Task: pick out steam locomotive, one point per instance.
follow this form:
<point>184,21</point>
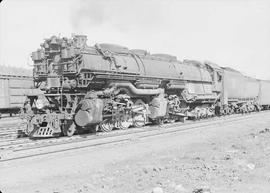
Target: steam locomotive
<point>108,86</point>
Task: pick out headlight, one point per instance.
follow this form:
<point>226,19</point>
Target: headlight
<point>39,104</point>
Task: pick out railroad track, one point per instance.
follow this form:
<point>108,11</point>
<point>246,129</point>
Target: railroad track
<point>28,148</point>
<point>12,143</point>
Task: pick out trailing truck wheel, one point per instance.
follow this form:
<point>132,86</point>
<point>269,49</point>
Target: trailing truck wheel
<point>106,126</point>
<point>69,129</point>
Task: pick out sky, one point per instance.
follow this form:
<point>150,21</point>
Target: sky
<point>233,33</point>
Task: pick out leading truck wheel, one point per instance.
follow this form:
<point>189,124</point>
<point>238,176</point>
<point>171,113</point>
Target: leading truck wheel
<point>69,129</point>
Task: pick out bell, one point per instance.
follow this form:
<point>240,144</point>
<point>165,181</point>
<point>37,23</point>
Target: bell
<point>46,45</point>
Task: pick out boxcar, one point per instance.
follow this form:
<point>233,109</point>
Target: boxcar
<point>14,84</point>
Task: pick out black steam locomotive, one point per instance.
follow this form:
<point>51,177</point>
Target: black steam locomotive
<point>110,86</point>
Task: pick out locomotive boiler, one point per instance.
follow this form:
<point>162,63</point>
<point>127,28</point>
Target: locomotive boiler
<point>107,86</point>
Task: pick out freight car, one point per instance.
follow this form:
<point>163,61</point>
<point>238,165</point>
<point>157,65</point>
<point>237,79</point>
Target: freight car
<point>109,86</point>
<point>14,85</point>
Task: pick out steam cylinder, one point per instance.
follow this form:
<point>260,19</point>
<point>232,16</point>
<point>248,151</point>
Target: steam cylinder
<point>90,112</point>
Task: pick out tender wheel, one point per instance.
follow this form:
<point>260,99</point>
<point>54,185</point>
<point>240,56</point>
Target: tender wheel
<point>69,129</point>
<point>106,126</point>
<point>124,124</point>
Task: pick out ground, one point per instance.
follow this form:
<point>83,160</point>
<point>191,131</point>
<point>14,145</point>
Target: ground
<point>223,158</point>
